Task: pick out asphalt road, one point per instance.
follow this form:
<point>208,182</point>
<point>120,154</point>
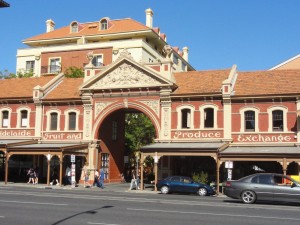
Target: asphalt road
<point>22,205</point>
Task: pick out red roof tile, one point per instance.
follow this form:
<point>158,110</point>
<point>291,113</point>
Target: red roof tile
<point>92,28</point>
<point>200,82</point>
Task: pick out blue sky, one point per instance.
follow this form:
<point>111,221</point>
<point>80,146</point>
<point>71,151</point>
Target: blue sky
<point>254,34</point>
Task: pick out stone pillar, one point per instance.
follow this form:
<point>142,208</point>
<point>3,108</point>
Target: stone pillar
<point>165,133</point>
<point>87,118</point>
<point>227,118</point>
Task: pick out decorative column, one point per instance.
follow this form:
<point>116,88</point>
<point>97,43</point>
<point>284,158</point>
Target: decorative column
<point>142,170</point>
<point>156,158</point>
<point>60,169</point>
<point>165,99</point>
<point>87,116</point>
<point>49,156</point>
<point>218,175</point>
<point>6,166</point>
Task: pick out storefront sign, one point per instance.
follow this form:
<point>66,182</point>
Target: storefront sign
<point>62,136</point>
<point>196,134</point>
<point>263,138</point>
<point>16,133</point>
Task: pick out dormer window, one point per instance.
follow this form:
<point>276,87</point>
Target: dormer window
<point>104,24</point>
<point>74,27</point>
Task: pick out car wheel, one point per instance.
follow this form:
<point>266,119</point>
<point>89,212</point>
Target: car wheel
<point>248,197</point>
<point>202,191</point>
<point>164,190</point>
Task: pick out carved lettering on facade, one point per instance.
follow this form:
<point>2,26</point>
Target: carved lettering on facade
<point>196,134</point>
<point>62,136</point>
<point>263,138</point>
<point>16,133</point>
<point>126,75</point>
<point>153,104</point>
<point>99,106</point>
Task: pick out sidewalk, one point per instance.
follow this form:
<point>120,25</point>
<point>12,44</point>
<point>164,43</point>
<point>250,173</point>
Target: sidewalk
<point>111,187</point>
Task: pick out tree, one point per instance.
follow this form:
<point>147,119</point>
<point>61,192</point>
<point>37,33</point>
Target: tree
<point>74,72</point>
<point>139,131</point>
<point>6,75</point>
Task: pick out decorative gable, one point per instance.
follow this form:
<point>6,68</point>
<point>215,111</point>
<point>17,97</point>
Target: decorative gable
<point>126,73</point>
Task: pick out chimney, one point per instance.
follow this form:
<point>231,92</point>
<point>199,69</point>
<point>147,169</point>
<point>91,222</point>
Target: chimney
<point>149,18</point>
<point>50,25</point>
<point>185,51</point>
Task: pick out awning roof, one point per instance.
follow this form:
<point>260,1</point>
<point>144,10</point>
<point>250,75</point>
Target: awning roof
<point>8,142</point>
<point>49,146</point>
<point>260,150</point>
<point>179,146</point>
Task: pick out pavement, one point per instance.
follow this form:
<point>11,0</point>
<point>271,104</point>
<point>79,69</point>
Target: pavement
<point>110,187</point>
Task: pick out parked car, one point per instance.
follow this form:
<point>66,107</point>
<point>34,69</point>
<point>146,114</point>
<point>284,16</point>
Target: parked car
<point>185,185</point>
<point>264,186</point>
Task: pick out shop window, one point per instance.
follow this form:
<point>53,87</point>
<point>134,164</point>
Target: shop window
<point>5,118</point>
<point>114,130</point>
<point>72,121</point>
<point>105,164</point>
<point>24,118</point>
<point>277,120</point>
<point>53,121</point>
<point>185,118</point>
<point>249,117</point>
<point>209,118</point>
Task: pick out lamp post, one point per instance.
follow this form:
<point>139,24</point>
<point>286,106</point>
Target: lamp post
<point>48,169</point>
<point>155,171</point>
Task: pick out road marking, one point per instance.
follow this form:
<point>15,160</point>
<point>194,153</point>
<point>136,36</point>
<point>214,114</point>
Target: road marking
<point>214,214</point>
<point>103,223</point>
<point>1,216</point>
<point>36,203</point>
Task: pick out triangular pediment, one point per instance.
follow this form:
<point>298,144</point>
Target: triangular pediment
<point>126,73</point>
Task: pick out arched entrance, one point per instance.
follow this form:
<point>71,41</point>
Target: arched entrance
<point>117,155</point>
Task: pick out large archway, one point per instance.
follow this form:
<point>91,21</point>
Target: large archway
<point>115,156</point>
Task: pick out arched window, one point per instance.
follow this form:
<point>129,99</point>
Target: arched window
<point>53,121</point>
<point>24,118</point>
<point>74,27</point>
<point>104,24</point>
<point>249,117</point>
<point>277,120</point>
<point>72,121</point>
<point>209,118</point>
<point>5,117</point>
<point>185,118</point>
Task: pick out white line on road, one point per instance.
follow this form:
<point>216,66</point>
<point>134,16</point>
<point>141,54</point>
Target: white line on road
<point>36,203</point>
<point>1,216</point>
<point>215,214</point>
<point>102,223</point>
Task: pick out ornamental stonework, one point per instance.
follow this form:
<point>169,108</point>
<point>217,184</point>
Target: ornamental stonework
<point>126,75</point>
<point>153,104</point>
<point>100,106</point>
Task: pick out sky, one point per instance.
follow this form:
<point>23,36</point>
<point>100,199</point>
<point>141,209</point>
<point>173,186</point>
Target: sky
<point>253,34</point>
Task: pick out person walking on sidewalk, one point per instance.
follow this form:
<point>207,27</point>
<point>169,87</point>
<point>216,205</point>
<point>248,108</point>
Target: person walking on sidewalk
<point>133,181</point>
<point>86,174</point>
<point>102,177</point>
<point>97,179</point>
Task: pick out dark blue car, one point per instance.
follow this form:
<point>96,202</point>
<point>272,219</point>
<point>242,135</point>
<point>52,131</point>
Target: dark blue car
<point>185,185</point>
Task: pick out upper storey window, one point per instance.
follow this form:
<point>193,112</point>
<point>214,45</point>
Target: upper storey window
<point>277,120</point>
<point>24,118</point>
<point>54,65</point>
<point>29,66</point>
<point>209,118</point>
<point>5,118</point>
<point>249,120</point>
<point>53,121</point>
<point>185,118</point>
<point>72,121</point>
<point>97,60</point>
<point>103,24</point>
<point>74,27</point>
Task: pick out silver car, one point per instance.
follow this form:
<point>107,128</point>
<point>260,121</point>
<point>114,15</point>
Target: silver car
<point>264,186</point>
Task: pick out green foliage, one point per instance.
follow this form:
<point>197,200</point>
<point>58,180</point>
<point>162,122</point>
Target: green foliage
<point>201,177</point>
<point>74,72</point>
<point>6,75</point>
<point>25,74</point>
<point>139,131</point>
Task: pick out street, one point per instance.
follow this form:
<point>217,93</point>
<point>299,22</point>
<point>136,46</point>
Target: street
<point>25,205</point>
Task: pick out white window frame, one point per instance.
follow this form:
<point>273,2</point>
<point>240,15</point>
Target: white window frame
<point>19,113</point>
<point>74,27</point>
<point>242,115</point>
<point>32,65</point>
<point>66,113</point>
<point>9,117</point>
<point>270,116</point>
<point>179,116</point>
<point>48,114</point>
<point>202,113</point>
<point>102,23</point>
<point>49,63</point>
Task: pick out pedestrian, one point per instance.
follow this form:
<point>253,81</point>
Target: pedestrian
<point>97,179</point>
<point>133,180</point>
<point>102,177</point>
<point>36,175</point>
<point>68,176</point>
<point>86,175</point>
<point>54,177</point>
<point>30,173</point>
